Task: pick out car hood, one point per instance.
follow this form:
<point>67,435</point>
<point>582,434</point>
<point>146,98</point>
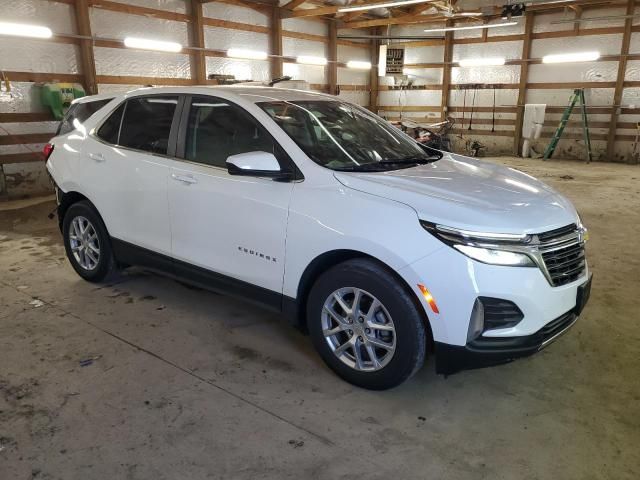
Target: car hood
<point>470,194</point>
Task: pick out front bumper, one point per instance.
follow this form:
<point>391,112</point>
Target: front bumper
<point>489,351</point>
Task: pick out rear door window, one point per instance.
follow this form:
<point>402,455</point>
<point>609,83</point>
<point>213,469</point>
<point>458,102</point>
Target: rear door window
<point>110,129</point>
<point>80,112</point>
<point>147,123</point>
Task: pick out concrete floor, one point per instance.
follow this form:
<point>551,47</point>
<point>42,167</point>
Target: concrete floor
<point>186,384</point>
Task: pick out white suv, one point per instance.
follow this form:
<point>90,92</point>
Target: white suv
<point>316,208</point>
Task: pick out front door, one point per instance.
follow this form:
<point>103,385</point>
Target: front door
<point>229,225</point>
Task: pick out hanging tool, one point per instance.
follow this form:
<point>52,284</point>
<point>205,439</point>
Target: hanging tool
<point>635,154</point>
<point>578,95</point>
<point>473,104</point>
<point>464,108</point>
<point>493,121</point>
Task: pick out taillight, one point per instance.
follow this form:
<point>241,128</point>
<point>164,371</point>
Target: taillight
<point>47,151</point>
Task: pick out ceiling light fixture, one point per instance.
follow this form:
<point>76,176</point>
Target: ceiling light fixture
<point>246,54</point>
<point>371,6</point>
<point>472,27</point>
<point>482,62</point>
<point>571,57</point>
<point>359,65</point>
<point>309,60</point>
<point>22,30</point>
<point>157,45</point>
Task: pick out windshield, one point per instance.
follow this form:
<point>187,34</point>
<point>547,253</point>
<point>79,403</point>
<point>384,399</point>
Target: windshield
<point>342,136</point>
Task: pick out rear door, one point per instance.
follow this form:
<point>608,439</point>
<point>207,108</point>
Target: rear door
<point>128,162</point>
<point>231,225</point>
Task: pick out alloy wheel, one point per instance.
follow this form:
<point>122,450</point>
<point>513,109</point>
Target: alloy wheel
<point>84,243</point>
<point>358,329</point>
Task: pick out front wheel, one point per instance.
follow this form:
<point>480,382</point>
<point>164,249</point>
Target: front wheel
<point>365,325</point>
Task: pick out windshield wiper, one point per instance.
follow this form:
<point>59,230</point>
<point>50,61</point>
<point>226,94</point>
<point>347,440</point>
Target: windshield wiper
<point>416,160</point>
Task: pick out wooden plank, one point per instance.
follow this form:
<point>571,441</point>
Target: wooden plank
<point>246,27</point>
<point>332,56</point>
<point>619,85</point>
<point>141,11</point>
<point>87,60</point>
<point>26,117</point>
<point>275,42</point>
<point>134,80</point>
<point>43,77</point>
<point>21,158</point>
<point>25,139</point>
<point>446,74</point>
<point>524,78</point>
<point>374,74</point>
<point>198,58</point>
<point>293,4</point>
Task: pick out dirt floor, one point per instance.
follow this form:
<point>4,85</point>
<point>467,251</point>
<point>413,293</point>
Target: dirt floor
<point>146,378</point>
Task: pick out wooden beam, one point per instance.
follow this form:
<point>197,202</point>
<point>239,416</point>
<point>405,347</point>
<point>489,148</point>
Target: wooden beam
<point>26,117</point>
<point>275,42</point>
<point>374,75</point>
<point>332,56</point>
<point>293,4</point>
<point>21,158</point>
<point>446,73</point>
<point>142,11</point>
<point>198,58</point>
<point>25,139</point>
<point>87,59</point>
<point>137,80</point>
<point>524,79</point>
<point>622,70</point>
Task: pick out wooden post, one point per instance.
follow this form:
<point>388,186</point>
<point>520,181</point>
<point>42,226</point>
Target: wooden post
<point>524,77</point>
<point>446,73</point>
<point>87,59</point>
<point>198,59</point>
<point>374,76</point>
<point>275,42</point>
<point>622,70</point>
<point>332,57</point>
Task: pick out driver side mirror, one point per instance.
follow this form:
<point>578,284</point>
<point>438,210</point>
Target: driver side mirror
<point>256,164</point>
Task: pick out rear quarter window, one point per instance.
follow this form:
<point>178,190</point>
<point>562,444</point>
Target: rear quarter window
<point>80,112</point>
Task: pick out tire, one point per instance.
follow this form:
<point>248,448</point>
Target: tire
<point>397,309</point>
<point>79,215</point>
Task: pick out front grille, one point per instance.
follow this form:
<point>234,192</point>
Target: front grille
<point>563,253</point>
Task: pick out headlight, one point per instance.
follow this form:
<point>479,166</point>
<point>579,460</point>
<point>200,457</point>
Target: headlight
<point>496,257</point>
<point>492,248</point>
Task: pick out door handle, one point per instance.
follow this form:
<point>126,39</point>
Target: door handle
<point>98,157</point>
<point>189,180</point>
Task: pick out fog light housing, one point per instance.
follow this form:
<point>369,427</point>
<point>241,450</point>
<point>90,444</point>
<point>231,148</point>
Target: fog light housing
<point>476,325</point>
<point>492,314</point>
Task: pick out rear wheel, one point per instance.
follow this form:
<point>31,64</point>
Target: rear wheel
<point>366,325</point>
<point>87,243</point>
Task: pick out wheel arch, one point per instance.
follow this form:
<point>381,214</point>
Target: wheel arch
<point>70,198</point>
<point>327,260</point>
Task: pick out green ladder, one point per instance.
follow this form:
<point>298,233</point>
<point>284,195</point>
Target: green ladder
<point>578,94</point>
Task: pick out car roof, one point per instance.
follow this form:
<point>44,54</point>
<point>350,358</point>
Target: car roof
<point>249,93</point>
<point>95,98</point>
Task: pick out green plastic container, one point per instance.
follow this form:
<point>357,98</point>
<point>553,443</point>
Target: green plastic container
<point>58,97</point>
